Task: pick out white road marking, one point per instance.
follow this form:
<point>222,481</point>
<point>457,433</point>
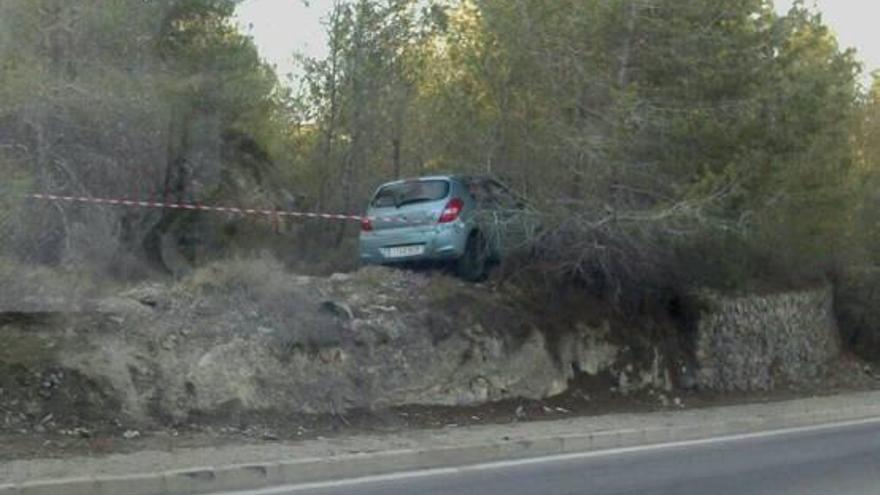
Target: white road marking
<point>426,473</point>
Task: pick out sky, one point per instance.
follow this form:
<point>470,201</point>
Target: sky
<point>284,27</point>
<point>854,22</point>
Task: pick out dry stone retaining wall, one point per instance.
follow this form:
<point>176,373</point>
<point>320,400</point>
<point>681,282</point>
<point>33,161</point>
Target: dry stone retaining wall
<point>857,304</point>
<point>758,343</point>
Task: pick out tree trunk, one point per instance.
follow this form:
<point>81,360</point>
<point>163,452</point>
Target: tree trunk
<point>395,157</point>
<point>623,76</point>
<point>626,50</point>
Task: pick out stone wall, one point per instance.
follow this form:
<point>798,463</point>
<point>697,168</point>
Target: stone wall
<point>857,302</point>
<point>758,343</point>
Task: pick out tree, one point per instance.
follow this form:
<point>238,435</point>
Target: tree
<point>668,141</point>
<point>653,129</point>
<point>131,99</point>
<point>362,93</point>
<point>867,151</point>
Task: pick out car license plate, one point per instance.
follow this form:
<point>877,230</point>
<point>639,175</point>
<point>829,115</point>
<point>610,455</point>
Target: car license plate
<point>403,251</point>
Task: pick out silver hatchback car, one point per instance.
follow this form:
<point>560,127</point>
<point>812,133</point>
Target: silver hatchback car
<point>465,220</point>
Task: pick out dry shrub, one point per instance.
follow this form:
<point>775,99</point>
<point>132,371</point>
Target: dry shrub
<point>261,288</point>
<point>34,288</point>
<point>259,277</point>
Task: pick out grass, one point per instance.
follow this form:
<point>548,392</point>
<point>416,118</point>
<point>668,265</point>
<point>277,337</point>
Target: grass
<point>20,282</point>
<point>23,349</point>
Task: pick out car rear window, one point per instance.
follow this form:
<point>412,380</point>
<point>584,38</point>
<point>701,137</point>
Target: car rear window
<point>404,193</point>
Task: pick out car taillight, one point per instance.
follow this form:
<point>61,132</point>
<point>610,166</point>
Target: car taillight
<point>452,210</point>
<point>366,224</point>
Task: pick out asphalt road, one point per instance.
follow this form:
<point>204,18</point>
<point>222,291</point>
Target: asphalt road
<point>838,461</point>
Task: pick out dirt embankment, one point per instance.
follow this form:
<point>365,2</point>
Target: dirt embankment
<point>247,337</point>
<point>246,348</point>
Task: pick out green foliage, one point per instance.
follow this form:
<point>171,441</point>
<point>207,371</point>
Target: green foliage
<point>161,99</point>
<point>867,220</point>
<point>652,133</point>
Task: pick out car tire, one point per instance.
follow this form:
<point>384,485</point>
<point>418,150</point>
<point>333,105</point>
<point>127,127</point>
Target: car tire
<point>473,264</point>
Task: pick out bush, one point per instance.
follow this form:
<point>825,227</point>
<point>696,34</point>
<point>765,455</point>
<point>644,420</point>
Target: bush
<point>30,288</point>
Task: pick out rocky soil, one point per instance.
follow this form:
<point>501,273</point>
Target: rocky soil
<point>244,350</point>
<point>247,337</point>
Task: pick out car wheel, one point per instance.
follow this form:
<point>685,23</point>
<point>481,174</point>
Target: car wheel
<point>472,266</point>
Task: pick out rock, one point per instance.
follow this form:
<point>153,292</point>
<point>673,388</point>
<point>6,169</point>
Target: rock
<point>580,394</point>
<point>151,295</point>
<point>169,342</point>
<point>384,309</point>
<point>664,401</point>
<point>623,383</point>
<point>119,307</point>
<point>337,309</point>
<point>77,432</point>
<point>588,348</point>
<point>131,434</point>
<point>687,378</point>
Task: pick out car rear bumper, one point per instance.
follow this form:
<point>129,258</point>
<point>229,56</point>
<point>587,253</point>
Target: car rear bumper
<point>440,241</point>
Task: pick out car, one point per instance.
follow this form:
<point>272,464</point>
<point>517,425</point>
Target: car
<point>467,222</point>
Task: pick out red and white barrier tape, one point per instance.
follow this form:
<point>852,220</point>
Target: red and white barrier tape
<point>194,207</point>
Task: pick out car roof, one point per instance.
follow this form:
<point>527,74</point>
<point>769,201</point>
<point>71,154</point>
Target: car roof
<point>418,179</point>
<point>451,177</point>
